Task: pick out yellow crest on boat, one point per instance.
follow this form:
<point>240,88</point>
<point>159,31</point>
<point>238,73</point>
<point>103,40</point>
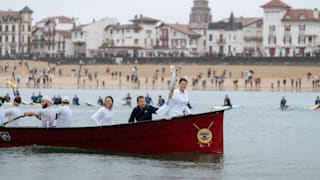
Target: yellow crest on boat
<point>204,135</point>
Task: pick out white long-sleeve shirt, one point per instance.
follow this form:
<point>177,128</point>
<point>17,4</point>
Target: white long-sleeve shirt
<point>64,116</point>
<point>12,113</point>
<point>178,106</point>
<point>48,116</point>
<point>102,117</point>
<point>2,115</point>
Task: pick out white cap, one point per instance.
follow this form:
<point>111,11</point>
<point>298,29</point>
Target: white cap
<point>47,98</point>
<point>65,99</point>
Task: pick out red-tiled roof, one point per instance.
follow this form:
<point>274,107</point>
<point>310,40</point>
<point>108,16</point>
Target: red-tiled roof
<point>198,26</point>
<point>185,29</point>
<point>123,26</point>
<point>62,19</point>
<point>275,3</point>
<point>300,15</point>
<point>248,21</point>
<point>10,13</point>
<point>78,28</point>
<point>144,19</point>
<point>66,34</point>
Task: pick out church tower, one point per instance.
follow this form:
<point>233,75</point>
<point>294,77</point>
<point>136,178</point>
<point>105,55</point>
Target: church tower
<point>200,12</point>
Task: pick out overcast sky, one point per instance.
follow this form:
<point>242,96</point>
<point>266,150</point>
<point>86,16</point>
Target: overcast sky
<point>170,11</point>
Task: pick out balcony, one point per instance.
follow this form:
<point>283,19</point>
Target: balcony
<point>252,39</point>
<point>221,41</point>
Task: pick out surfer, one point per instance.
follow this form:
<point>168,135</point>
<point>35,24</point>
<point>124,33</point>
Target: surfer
<point>227,101</point>
<point>283,103</point>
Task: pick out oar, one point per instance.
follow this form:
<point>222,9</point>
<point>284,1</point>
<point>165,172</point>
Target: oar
<point>10,121</point>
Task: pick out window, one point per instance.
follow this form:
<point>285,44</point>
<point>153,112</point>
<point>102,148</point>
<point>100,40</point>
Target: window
<point>6,38</point>
<point>7,28</point>
<point>287,40</point>
<point>183,43</point>
<point>210,37</point>
<point>302,40</point>
<point>272,40</point>
<point>302,17</point>
<point>29,28</point>
<point>13,28</point>
<point>0,28</point>
<point>174,33</point>
<point>0,39</point>
<point>272,28</point>
<point>13,39</point>
<point>302,27</point>
<point>287,28</point>
<point>23,28</point>
<point>136,41</point>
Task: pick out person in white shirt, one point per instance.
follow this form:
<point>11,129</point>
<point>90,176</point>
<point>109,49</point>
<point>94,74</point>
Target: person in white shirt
<point>103,116</point>
<point>47,114</point>
<point>2,111</point>
<point>178,101</point>
<point>14,112</point>
<point>64,113</point>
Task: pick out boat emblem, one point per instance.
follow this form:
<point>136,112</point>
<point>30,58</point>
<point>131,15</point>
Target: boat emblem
<point>204,135</point>
<point>5,136</point>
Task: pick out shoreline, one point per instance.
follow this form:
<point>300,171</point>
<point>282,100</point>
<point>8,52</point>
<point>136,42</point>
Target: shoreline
<point>282,78</point>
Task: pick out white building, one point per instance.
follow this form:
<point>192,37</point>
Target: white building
<point>252,35</point>
<point>135,40</point>
<point>179,40</point>
<point>88,38</point>
<point>15,32</point>
<point>225,38</point>
<point>52,36</point>
<point>290,32</point>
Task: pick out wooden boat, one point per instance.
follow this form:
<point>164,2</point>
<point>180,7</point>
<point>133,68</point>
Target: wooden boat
<point>197,133</point>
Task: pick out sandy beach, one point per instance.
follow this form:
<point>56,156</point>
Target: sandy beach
<point>157,76</point>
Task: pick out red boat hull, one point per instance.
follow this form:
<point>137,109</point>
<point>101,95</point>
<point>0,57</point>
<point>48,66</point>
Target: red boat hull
<point>193,133</point>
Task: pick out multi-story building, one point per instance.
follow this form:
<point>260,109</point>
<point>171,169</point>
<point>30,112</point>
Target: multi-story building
<point>136,39</point>
<point>225,38</point>
<point>252,35</point>
<point>200,12</point>
<point>88,38</point>
<point>52,36</point>
<point>290,32</point>
<point>15,32</point>
<point>178,40</point>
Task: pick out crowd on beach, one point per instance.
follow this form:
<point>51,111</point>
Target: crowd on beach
<point>53,76</point>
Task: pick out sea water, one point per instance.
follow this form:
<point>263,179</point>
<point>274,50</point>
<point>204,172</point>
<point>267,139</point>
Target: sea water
<point>260,141</point>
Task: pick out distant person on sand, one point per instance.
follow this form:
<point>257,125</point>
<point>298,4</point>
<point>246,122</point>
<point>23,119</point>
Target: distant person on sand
<point>283,103</point>
<point>227,101</point>
<point>143,111</point>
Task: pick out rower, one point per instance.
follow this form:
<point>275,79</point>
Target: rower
<point>47,114</point>
<point>14,112</point>
<point>64,113</point>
